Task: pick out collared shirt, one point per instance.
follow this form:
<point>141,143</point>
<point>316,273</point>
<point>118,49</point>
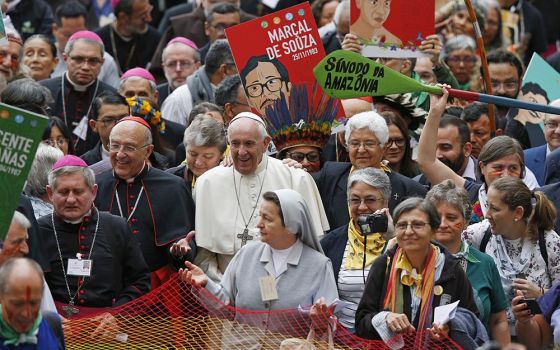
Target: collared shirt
<point>470,172</point>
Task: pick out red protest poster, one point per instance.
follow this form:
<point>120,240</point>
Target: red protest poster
<point>392,28</point>
<point>276,52</point>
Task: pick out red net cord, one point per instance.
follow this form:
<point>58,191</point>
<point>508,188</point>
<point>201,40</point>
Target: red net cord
<point>177,316</point>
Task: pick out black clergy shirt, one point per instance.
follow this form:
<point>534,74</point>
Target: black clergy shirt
<point>118,272</point>
<point>164,214</point>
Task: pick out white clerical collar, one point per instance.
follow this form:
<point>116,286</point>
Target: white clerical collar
<point>104,153</point>
<point>78,87</point>
<point>131,179</point>
<point>79,220</point>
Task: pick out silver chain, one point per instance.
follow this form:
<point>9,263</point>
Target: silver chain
<point>71,298</point>
<point>246,223</point>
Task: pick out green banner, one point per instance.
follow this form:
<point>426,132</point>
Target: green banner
<point>346,74</point>
<point>20,134</point>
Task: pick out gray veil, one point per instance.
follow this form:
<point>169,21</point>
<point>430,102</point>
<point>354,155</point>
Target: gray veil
<point>297,218</point>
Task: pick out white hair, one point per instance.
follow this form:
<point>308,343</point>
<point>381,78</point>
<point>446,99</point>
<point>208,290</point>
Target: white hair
<point>21,220</point>
<point>371,121</point>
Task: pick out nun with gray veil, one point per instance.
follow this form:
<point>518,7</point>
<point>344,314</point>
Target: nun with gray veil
<point>285,269</point>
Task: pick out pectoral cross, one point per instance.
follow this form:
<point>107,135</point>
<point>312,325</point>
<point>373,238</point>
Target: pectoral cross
<point>245,236</point>
<point>396,195</point>
<point>70,310</point>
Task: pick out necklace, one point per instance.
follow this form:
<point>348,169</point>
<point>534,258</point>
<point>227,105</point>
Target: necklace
<point>64,102</point>
<point>70,309</point>
<point>245,236</point>
<point>114,47</point>
<point>135,204</point>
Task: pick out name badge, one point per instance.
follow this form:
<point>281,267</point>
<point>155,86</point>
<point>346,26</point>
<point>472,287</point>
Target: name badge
<point>268,288</point>
<point>81,129</point>
<point>79,267</point>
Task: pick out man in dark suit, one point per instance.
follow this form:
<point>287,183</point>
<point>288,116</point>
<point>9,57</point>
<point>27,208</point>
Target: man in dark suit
<point>366,134</point>
<point>535,157</point>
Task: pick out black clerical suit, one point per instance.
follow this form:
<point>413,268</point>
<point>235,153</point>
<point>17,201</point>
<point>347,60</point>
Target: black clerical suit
<point>164,214</point>
<point>78,105</point>
<point>118,271</point>
<point>332,180</point>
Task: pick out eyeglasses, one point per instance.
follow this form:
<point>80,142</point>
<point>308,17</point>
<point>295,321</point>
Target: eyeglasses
<point>552,125</point>
<point>109,121</point>
<point>455,60</point>
<point>115,147</point>
<point>257,89</point>
<point>369,201</point>
<point>366,144</point>
<point>416,226</point>
<point>312,156</point>
<point>179,64</point>
<point>90,61</point>
<point>510,85</point>
<point>400,143</point>
<point>61,141</point>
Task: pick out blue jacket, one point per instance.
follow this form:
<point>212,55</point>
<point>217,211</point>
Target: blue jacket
<point>50,335</point>
<point>535,159</point>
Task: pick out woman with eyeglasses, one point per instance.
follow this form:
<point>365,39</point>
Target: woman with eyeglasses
<point>459,52</point>
<point>56,134</point>
<point>366,135</point>
<point>454,209</point>
<point>398,153</point>
<point>499,157</point>
<point>407,282</point>
<point>518,233</point>
<point>353,247</point>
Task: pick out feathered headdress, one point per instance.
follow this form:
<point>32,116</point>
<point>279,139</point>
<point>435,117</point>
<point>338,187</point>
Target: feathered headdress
<point>303,122</point>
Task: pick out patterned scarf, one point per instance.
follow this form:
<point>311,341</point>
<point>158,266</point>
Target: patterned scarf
<point>11,337</point>
<point>355,257</point>
<point>401,267</point>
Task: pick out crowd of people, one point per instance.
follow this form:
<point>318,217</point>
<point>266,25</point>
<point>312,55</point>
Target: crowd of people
<point>153,164</point>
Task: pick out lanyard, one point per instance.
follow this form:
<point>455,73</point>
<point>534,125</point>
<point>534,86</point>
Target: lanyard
<point>135,204</point>
<point>64,102</point>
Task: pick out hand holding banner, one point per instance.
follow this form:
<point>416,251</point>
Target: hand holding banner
<point>346,74</point>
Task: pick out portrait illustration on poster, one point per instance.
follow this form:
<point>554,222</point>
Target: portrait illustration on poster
<point>391,28</point>
<point>281,53</point>
<point>541,84</point>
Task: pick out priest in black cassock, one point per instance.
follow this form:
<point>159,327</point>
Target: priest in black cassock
<point>157,205</point>
<point>75,90</point>
<point>93,260</point>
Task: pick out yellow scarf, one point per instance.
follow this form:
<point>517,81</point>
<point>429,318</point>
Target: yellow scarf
<point>355,256</point>
<point>409,275</point>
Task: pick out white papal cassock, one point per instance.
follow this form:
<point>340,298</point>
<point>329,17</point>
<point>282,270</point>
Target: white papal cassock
<point>219,220</point>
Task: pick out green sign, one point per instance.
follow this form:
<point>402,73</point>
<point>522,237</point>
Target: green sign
<point>20,134</point>
<point>346,74</point>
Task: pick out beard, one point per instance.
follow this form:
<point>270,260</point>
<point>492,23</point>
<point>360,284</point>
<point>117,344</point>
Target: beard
<point>456,164</point>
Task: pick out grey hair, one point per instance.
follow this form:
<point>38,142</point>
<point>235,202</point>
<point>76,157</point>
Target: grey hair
<point>28,94</point>
<point>260,126</point>
<point>372,177</point>
<point>70,45</point>
<point>153,86</point>
<point>368,120</point>
<point>15,263</point>
<point>196,54</point>
<point>86,172</point>
<point>459,42</point>
<point>205,131</point>
<point>21,220</point>
<point>37,179</point>
<point>448,193</point>
<point>340,8</point>
<point>421,204</point>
